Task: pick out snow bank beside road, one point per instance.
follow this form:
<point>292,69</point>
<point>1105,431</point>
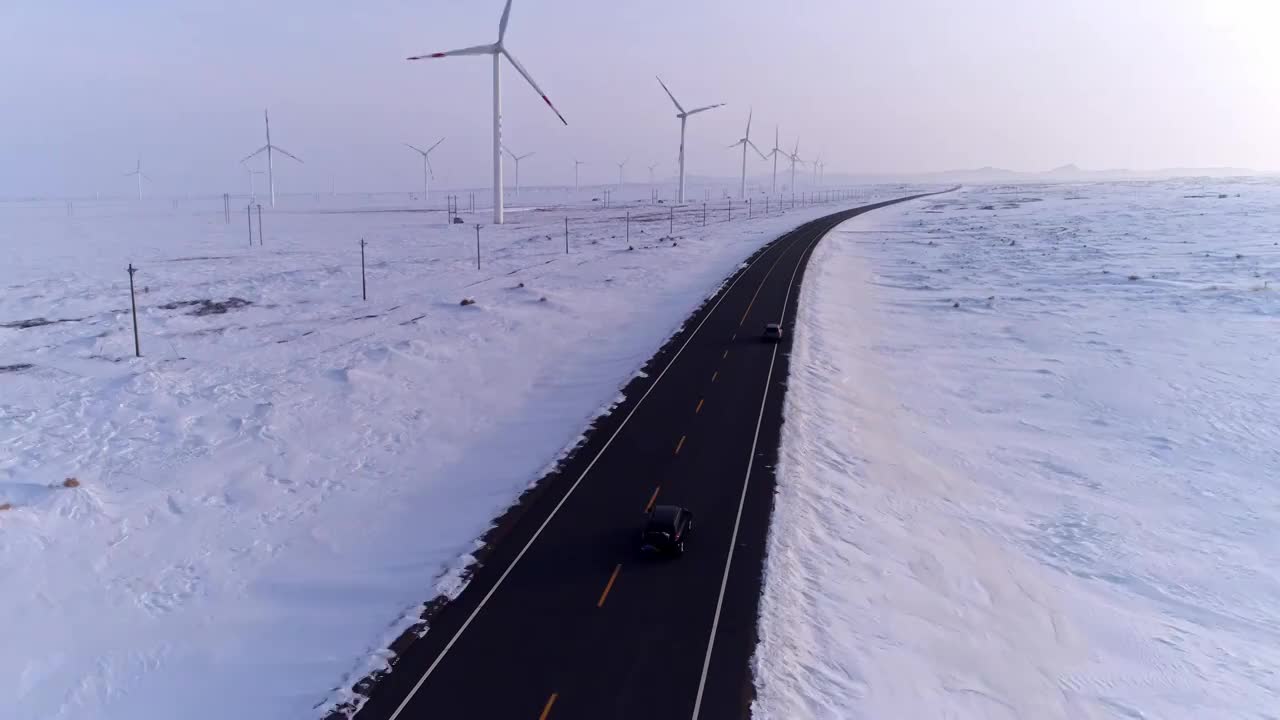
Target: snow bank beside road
<point>1015,482</point>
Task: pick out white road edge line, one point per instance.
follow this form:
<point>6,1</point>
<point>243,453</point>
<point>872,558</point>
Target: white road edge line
<point>742,499</point>
<point>573,487</point>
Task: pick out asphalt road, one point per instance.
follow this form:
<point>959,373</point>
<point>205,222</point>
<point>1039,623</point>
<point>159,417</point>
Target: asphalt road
<point>565,619</point>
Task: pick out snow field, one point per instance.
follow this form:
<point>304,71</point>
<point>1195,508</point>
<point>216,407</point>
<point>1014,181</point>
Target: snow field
<point>1029,464</point>
<point>270,494</point>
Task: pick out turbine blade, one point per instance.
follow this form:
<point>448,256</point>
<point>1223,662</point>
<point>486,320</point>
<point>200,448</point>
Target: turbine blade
<point>255,152</point>
<point>475,50</point>
<point>753,147</point>
<point>527,155</point>
<point>520,69</point>
<point>703,109</point>
<point>284,152</point>
<point>735,144</point>
<point>673,97</point>
<point>416,148</point>
<point>502,24</point>
<point>507,150</point>
<point>430,170</point>
<point>433,147</point>
<point>750,112</point>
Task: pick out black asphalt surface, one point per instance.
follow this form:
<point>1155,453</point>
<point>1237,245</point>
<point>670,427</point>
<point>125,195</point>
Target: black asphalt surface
<point>583,626</point>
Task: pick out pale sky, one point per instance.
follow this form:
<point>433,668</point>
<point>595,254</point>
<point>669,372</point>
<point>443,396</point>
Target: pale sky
<point>874,85</point>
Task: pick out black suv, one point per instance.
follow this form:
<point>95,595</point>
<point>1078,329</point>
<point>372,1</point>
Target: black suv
<point>666,529</point>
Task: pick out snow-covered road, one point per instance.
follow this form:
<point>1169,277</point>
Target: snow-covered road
<point>1029,465</point>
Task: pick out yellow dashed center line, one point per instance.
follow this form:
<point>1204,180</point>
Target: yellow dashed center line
<point>603,595</point>
<point>699,408</point>
<point>725,355</point>
<point>652,499</point>
<point>680,444</point>
<point>546,709</point>
<point>715,375</point>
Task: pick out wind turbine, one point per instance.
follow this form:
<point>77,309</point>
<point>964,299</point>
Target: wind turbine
<point>517,159</point>
<point>744,142</point>
<point>651,167</point>
<point>576,163</point>
<point>426,164</point>
<point>817,167</point>
<point>774,154</point>
<point>794,157</point>
<point>684,117</point>
<point>271,178</point>
<point>137,172</point>
<point>621,180</point>
<point>498,50</point>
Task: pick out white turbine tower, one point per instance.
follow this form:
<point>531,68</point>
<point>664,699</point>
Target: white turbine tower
<point>684,117</point>
<point>517,159</point>
<point>268,148</point>
<point>621,179</point>
<point>498,50</point>
<point>253,191</point>
<point>137,172</point>
<point>744,142</point>
<point>576,163</point>
<point>774,154</point>
<point>426,164</point>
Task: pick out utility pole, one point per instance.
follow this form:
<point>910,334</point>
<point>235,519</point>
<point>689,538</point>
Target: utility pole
<point>133,303</point>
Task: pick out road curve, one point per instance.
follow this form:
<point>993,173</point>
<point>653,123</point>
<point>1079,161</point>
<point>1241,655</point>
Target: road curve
<point>564,619</point>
